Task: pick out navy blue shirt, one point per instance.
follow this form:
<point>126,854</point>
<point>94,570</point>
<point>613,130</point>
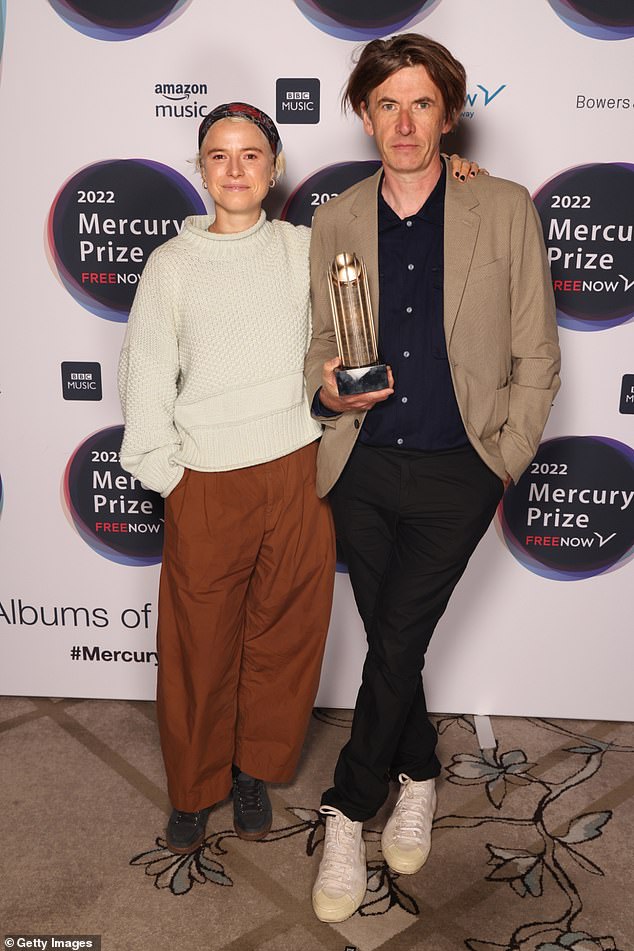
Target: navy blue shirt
<point>422,414</point>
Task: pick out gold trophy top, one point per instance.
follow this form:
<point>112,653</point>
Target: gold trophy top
<point>346,268</point>
<point>352,310</point>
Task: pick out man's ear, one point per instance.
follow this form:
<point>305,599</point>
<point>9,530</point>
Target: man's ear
<point>367,121</point>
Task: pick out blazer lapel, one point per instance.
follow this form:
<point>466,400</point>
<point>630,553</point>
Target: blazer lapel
<point>364,230</point>
<point>462,223</point>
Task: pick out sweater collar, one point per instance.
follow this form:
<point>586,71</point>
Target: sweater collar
<point>195,230</point>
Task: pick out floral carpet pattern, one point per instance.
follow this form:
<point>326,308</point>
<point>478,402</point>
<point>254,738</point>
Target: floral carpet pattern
<point>531,848</point>
<point>539,845</point>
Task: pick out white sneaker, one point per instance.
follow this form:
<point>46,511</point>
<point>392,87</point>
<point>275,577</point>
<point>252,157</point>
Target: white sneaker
<point>406,839</point>
<point>342,878</point>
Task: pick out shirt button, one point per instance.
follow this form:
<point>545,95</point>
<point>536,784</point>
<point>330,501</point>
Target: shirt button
<point>403,399</point>
<point>399,442</point>
<point>408,310</point>
<point>410,267</point>
<point>406,353</point>
<point>409,224</point>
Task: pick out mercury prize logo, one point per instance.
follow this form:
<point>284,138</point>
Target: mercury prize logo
<point>587,216</point>
<point>117,19</point>
<point>600,19</point>
<point>360,20</point>
<point>321,186</point>
<point>112,512</point>
<point>571,515</point>
<point>106,220</point>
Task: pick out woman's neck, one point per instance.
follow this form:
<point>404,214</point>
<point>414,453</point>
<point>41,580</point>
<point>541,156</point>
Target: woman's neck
<point>225,223</point>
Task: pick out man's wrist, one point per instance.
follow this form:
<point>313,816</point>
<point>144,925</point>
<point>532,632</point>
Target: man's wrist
<point>318,408</point>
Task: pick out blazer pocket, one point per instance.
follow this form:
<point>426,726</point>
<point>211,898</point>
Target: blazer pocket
<point>500,412</point>
<point>483,272</point>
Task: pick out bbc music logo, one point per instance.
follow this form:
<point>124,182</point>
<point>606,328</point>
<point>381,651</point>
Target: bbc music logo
<point>297,101</point>
<point>103,20</point>
<point>81,381</point>
<point>627,394</point>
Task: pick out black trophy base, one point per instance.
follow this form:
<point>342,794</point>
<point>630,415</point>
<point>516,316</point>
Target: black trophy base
<point>361,379</point>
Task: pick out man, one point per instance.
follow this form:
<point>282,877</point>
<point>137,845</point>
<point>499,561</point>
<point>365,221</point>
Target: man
<point>459,280</point>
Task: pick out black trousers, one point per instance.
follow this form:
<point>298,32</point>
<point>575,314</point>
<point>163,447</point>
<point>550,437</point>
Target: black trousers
<point>407,522</point>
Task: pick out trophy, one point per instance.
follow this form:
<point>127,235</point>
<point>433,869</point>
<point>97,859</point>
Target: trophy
<point>360,371</point>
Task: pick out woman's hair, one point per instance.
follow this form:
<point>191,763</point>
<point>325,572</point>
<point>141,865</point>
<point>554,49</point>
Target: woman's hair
<point>380,58</point>
<point>279,164</point>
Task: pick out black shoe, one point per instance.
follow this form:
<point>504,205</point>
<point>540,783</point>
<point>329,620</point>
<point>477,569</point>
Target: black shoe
<point>252,815</point>
<point>186,830</point>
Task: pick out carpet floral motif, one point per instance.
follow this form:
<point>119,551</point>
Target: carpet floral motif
<point>555,867</point>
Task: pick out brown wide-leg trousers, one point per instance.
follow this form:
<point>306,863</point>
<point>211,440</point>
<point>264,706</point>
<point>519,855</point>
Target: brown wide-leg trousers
<point>244,606</point>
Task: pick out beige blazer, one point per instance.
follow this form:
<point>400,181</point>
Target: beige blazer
<point>499,316</point>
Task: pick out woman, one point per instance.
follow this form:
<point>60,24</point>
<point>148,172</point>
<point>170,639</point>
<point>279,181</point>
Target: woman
<point>217,421</point>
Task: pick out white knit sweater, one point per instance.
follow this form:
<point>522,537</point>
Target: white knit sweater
<point>211,371</point>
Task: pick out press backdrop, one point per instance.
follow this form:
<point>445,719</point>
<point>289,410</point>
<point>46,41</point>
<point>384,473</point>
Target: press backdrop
<point>100,101</point>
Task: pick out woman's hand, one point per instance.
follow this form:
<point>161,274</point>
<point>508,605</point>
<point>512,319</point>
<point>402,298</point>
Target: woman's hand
<point>462,168</point>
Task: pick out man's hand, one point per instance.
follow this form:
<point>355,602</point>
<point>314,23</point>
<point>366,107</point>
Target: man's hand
<point>329,395</point>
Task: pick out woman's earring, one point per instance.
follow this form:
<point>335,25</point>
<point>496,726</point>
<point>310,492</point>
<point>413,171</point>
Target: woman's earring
<point>204,183</point>
<point>272,183</point>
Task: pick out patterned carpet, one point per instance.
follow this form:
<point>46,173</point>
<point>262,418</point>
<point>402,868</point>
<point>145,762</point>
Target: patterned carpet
<point>532,848</point>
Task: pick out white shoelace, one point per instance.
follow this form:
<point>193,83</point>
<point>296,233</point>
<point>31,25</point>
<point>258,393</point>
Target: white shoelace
<point>414,809</point>
<point>339,849</point>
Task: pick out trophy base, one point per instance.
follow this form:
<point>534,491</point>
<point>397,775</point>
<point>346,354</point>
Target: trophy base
<point>361,379</point>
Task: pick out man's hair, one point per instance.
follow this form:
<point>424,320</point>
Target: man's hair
<point>380,58</point>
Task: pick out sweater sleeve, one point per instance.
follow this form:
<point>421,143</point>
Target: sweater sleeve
<point>148,375</point>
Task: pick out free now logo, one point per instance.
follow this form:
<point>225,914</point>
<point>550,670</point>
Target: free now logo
<point>555,541</point>
<point>480,96</point>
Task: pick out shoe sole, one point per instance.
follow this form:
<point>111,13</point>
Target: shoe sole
<point>406,868</point>
<point>252,836</point>
<point>336,917</point>
<point>185,850</point>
